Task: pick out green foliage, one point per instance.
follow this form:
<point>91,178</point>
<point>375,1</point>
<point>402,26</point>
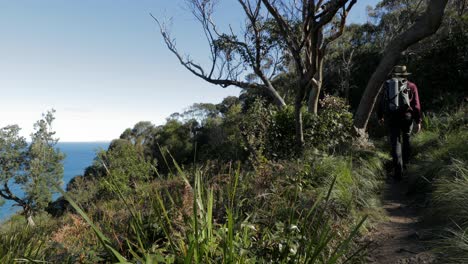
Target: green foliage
<point>441,171</point>
<point>35,167</point>
<point>175,137</point>
<point>440,66</point>
<point>126,165</point>
<point>255,126</point>
<point>446,122</point>
<point>202,132</point>
<point>270,133</point>
<point>44,167</point>
<point>437,147</point>
<point>332,127</point>
<point>219,137</point>
<point>26,244</point>
<point>451,193</point>
<point>454,245</point>
<point>280,137</point>
<point>139,135</point>
<point>229,131</point>
<point>12,153</point>
<point>204,236</point>
<point>102,238</point>
<point>450,196</point>
<point>304,209</point>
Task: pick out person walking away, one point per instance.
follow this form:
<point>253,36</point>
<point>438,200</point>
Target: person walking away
<point>399,108</point>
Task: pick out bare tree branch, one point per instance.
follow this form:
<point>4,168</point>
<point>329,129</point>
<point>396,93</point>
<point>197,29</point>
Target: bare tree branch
<point>6,193</point>
<point>329,11</point>
<point>229,69</point>
<point>339,32</point>
<point>283,25</point>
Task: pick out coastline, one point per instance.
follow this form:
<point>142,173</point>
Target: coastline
<point>78,156</point>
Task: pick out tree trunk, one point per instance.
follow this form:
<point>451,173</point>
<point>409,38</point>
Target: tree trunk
<point>298,114</point>
<point>426,25</point>
<point>314,95</point>
<point>30,220</point>
<point>279,101</point>
<point>312,104</point>
<point>277,98</point>
<point>299,127</point>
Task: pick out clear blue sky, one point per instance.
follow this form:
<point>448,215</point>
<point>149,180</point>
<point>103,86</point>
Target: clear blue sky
<point>102,63</point>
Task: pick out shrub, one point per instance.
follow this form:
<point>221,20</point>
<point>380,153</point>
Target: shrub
<point>126,167</point>
<point>280,135</point>
<point>331,129</point>
<point>275,129</point>
<point>255,126</point>
<point>305,236</point>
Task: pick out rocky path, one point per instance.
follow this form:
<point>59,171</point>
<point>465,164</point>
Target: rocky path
<point>399,238</point>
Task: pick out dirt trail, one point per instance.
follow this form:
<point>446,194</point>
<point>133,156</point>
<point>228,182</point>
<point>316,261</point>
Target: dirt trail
<point>399,238</point>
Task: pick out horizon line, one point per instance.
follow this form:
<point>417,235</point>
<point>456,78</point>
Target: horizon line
<point>90,141</point>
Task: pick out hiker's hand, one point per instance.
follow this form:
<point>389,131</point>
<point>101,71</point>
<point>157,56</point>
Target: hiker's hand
<point>381,121</point>
<point>418,128</point>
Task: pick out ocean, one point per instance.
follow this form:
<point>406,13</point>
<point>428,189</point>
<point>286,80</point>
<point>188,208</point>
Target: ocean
<point>78,157</point>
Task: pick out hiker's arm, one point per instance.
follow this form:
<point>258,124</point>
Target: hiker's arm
<point>380,106</point>
<point>415,105</point>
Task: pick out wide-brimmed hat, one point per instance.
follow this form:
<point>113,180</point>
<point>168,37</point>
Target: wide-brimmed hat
<point>400,70</point>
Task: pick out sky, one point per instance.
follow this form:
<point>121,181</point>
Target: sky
<point>102,64</point>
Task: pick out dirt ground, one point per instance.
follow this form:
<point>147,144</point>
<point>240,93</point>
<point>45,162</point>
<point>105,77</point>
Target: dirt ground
<point>399,239</point>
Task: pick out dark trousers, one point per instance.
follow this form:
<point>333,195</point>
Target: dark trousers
<point>400,130</point>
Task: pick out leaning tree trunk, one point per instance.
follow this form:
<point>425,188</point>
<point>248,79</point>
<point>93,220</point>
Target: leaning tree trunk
<point>426,25</point>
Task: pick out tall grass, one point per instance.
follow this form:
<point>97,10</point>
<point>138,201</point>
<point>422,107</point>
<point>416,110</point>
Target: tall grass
<point>441,172</point>
<point>22,243</point>
<point>450,194</point>
<point>307,236</point>
<point>309,210</point>
<point>13,248</point>
<point>453,245</point>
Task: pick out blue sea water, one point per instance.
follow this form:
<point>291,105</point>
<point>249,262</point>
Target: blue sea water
<point>78,157</point>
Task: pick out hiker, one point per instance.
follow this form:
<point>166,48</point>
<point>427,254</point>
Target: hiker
<point>399,108</point>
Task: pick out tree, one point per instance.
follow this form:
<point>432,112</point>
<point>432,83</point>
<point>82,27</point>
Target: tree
<point>340,63</point>
<point>36,167</point>
<point>426,25</point>
<point>125,165</point>
<point>392,17</point>
<point>289,36</point>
